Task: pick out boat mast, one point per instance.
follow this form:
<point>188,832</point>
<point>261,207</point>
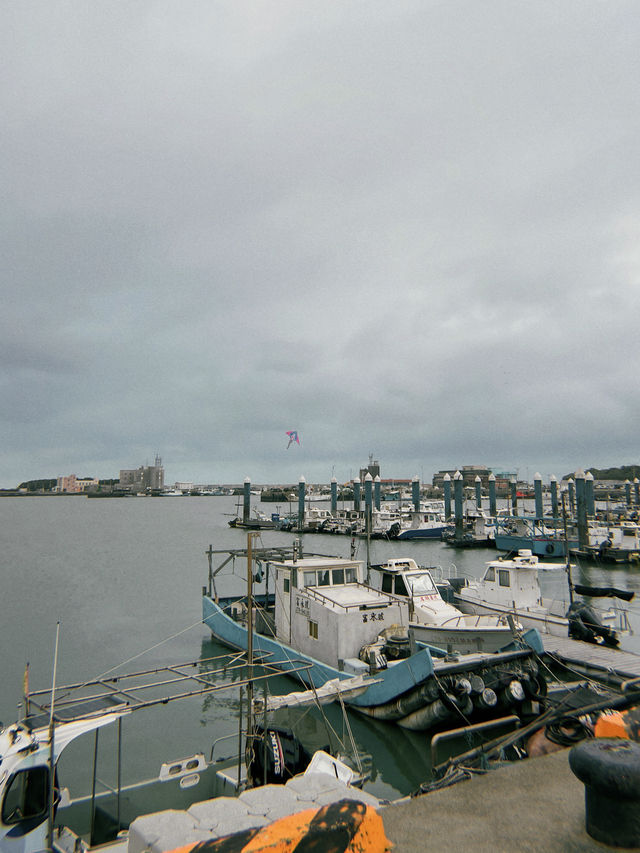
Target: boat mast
<point>52,763</point>
<point>250,537</point>
<point>566,547</point>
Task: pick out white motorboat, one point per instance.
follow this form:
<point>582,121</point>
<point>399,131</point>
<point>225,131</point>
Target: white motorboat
<point>436,622</point>
<point>511,586</point>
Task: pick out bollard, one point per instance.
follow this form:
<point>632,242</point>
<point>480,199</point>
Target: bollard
<point>610,771</point>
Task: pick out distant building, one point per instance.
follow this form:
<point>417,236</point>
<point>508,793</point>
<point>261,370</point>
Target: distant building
<point>68,484</point>
<point>372,468</point>
<point>147,478</point>
<point>469,474</point>
<point>75,485</point>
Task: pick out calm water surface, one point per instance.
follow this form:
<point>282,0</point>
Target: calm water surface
<point>124,579</point>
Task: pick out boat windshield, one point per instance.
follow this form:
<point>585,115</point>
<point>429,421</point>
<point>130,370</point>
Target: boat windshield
<point>421,584</point>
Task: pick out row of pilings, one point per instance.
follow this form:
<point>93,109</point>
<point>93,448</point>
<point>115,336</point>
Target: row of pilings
<point>580,494</point>
<point>372,496</point>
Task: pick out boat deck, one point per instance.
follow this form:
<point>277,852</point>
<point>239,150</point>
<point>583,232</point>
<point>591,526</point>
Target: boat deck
<point>592,659</point>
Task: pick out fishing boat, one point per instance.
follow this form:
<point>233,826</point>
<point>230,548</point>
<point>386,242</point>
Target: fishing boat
<point>515,533</point>
<point>38,811</point>
<point>422,524</point>
<point>433,620</point>
<point>357,642</point>
<point>511,586</point>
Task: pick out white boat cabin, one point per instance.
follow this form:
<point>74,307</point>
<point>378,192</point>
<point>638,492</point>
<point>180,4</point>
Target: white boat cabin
<point>404,578</point>
<point>511,583</point>
<point>324,609</point>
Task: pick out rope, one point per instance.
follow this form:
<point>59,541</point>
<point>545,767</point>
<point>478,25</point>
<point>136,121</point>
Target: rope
<point>150,649</point>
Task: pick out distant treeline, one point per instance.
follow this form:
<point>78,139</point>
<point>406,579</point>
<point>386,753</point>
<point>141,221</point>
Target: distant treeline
<point>624,472</point>
<point>49,485</point>
<point>38,485</point>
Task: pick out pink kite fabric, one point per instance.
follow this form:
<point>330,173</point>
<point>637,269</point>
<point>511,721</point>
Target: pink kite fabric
<point>293,436</point>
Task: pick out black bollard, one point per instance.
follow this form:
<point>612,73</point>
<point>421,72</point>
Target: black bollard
<point>610,771</point>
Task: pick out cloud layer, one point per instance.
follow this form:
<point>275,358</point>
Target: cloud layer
<point>410,229</point>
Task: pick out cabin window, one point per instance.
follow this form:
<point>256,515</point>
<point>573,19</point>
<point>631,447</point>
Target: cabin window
<point>294,578</point>
<point>26,795</point>
<point>309,578</point>
<point>503,577</point>
<point>386,583</point>
<point>324,578</point>
<point>313,629</point>
<point>351,576</point>
<point>490,574</point>
<point>401,588</point>
<point>286,584</point>
<point>421,584</point>
<point>338,576</point>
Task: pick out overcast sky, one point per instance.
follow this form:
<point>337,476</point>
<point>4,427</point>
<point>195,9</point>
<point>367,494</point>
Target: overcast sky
<point>403,228</point>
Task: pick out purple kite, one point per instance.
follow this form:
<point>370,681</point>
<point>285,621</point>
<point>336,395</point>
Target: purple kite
<point>293,436</point>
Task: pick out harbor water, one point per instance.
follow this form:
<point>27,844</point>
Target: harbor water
<point>124,577</point>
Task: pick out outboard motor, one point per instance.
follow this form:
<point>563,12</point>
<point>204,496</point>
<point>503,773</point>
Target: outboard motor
<point>277,755</point>
<point>394,530</point>
<point>585,625</point>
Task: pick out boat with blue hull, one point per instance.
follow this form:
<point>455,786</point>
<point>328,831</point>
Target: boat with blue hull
<point>337,631</point>
<point>515,533</point>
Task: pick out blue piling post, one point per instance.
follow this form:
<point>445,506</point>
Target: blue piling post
<point>627,493</point>
<point>368,500</point>
<point>554,496</point>
<point>246,504</point>
<point>537,493</point>
<point>334,496</point>
<point>571,487</point>
<point>581,501</point>
<point>590,495</point>
<point>376,491</point>
<point>415,493</point>
<point>301,498</point>
<point>457,499</point>
<point>356,494</point>
<point>368,492</point>
<point>478,483</point>
<point>514,496</point>
<point>493,506</point>
<point>447,496</point>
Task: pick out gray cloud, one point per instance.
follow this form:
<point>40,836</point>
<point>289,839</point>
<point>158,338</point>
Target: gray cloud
<point>408,229</point>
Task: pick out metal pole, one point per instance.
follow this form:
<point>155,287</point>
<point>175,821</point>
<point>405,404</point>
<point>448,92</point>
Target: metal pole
<point>119,767</point>
<point>52,763</point>
<point>210,558</point>
<point>249,648</point>
<point>93,788</point>
<point>566,546</point>
<point>240,742</point>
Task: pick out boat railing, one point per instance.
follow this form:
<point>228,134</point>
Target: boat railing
<point>469,621</point>
<point>314,592</point>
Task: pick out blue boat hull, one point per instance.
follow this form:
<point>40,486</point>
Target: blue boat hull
<point>389,684</point>
<point>426,533</point>
<point>540,546</point>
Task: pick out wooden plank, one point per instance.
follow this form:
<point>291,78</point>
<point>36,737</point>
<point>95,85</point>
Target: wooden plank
<point>602,657</point>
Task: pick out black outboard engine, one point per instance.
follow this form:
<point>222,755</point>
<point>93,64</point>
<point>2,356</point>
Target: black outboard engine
<point>585,625</point>
<point>394,530</point>
<point>282,752</point>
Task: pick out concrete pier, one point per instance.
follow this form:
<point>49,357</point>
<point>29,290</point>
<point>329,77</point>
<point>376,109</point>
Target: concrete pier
<point>532,806</point>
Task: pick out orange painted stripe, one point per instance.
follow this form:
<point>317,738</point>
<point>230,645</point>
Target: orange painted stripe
<point>347,826</point>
